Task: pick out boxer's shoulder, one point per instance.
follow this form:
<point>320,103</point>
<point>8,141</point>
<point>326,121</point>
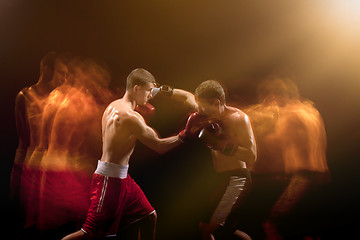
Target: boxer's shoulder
<point>235,116</point>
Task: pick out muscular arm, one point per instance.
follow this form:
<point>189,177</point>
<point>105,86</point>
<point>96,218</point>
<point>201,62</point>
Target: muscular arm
<point>185,97</point>
<point>241,135</point>
<point>148,136</point>
<point>246,151</point>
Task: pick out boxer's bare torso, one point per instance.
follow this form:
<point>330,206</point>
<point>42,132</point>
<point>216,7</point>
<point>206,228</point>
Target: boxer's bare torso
<point>237,129</point>
<point>122,126</point>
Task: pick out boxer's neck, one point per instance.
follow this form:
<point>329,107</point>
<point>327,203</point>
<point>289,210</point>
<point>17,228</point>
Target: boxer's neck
<point>128,98</point>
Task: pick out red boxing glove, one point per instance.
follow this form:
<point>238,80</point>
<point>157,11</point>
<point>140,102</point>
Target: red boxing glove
<point>147,111</point>
<point>213,136</point>
<point>194,124</point>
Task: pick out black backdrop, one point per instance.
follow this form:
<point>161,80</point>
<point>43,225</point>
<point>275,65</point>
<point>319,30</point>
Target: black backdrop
<point>183,43</point>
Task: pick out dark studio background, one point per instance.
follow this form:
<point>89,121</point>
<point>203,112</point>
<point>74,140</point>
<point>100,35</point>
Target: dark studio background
<point>184,43</point>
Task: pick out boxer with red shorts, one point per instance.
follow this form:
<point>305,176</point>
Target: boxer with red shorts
<point>116,200</point>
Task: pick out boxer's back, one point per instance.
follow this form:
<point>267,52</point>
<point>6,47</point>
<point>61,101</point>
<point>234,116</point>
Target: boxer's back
<point>118,140</point>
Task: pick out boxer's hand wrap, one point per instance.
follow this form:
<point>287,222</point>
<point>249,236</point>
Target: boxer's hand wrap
<point>163,89</point>
<point>167,90</point>
<point>194,124</point>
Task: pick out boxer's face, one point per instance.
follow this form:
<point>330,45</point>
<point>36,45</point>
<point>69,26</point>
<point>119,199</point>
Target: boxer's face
<point>143,93</point>
<point>209,107</point>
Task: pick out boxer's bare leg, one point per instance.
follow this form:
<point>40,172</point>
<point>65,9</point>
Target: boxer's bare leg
<point>241,235</point>
<point>76,236</point>
<point>131,232</point>
<point>148,226</point>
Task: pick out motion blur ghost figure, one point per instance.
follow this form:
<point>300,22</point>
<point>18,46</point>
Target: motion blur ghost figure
<point>71,137</point>
<point>290,129</point>
<point>69,124</point>
<point>29,105</point>
<point>291,163</point>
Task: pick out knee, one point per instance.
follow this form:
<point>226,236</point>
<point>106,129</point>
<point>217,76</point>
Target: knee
<point>76,235</point>
<point>152,217</point>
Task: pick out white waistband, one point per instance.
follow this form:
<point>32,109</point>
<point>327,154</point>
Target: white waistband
<point>112,169</point>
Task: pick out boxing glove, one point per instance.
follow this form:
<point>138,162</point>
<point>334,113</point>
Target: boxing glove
<point>194,124</point>
<point>147,111</point>
<point>213,136</point>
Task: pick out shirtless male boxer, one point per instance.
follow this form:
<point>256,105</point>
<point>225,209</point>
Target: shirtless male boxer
<point>116,200</point>
<point>227,131</point>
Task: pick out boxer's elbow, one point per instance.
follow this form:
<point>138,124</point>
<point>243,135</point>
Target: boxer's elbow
<point>251,153</point>
<point>249,157</point>
<point>160,149</point>
<point>252,158</point>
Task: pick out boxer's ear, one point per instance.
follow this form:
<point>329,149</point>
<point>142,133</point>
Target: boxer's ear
<point>217,102</point>
<point>136,88</point>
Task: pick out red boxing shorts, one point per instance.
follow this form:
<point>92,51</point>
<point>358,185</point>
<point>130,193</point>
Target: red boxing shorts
<point>115,202</point>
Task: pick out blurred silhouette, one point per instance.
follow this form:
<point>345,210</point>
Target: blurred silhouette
<point>71,143</point>
<point>291,165</point>
<point>59,127</point>
<point>29,105</point>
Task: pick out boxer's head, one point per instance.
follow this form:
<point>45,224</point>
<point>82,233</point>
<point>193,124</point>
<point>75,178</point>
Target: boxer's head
<point>210,97</point>
<point>140,83</point>
<point>277,90</point>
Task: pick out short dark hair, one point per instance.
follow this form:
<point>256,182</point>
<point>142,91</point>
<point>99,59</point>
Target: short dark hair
<point>139,76</point>
<point>210,89</point>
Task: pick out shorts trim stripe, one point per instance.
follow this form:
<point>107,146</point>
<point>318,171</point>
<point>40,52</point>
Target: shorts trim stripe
<point>102,197</point>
